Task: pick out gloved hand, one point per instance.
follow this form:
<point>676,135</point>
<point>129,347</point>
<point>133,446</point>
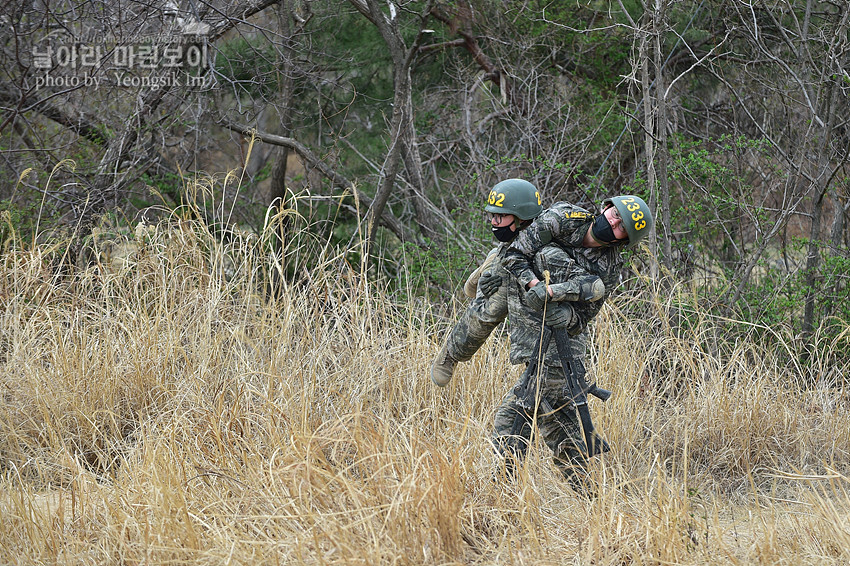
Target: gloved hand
<point>536,296</point>
<point>489,283</point>
<point>559,315</point>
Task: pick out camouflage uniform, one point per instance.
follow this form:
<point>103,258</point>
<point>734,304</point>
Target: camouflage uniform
<point>560,431</point>
<point>564,224</point>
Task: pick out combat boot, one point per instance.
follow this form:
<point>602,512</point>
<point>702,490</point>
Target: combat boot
<point>443,368</point>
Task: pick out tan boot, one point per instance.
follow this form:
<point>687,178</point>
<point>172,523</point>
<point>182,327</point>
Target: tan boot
<point>443,367</point>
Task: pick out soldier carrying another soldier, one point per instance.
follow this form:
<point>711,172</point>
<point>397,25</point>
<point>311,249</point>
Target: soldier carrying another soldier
<point>582,254</point>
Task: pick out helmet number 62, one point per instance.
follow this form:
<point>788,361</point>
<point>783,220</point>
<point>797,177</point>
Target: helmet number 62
<point>496,199</point>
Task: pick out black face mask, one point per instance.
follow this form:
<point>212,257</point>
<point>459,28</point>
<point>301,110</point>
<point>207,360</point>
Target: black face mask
<point>504,233</point>
<point>602,230</point>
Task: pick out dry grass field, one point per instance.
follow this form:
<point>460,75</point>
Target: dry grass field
<point>161,410</point>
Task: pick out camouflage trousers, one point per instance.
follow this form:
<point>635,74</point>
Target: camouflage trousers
<point>561,430</point>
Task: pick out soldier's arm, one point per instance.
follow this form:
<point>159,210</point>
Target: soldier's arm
<point>568,281</point>
<point>550,226</point>
<point>581,286</point>
<point>584,313</point>
<point>591,281</point>
<point>518,258</point>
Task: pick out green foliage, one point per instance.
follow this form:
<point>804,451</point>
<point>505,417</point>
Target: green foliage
<point>429,266</point>
<point>360,62</point>
<point>772,299</point>
<point>167,184</point>
<point>248,62</point>
<point>572,36</point>
<point>834,285</point>
<point>710,224</point>
<point>708,212</point>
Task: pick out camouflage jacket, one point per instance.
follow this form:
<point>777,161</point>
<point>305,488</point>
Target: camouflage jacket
<point>552,242</point>
<point>565,225</point>
<point>525,324</point>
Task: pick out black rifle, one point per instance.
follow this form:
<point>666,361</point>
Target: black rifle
<point>575,372</point>
<point>576,389</point>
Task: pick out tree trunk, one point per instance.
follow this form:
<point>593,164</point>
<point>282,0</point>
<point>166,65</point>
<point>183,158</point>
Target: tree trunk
<point>649,141</point>
<point>825,172</point>
<point>278,194</point>
<point>662,156</point>
<point>403,143</point>
<point>388,174</point>
<point>836,235</point>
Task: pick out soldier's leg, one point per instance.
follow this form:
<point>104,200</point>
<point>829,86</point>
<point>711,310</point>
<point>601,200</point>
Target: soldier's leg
<point>476,323</point>
<point>469,334</point>
<point>570,456</point>
<point>511,434</point>
<point>562,433</point>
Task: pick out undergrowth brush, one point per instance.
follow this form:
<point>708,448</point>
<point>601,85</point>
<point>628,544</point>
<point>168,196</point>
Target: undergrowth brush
<point>166,409</point>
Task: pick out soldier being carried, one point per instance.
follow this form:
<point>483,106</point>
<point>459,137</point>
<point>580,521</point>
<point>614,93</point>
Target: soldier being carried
<point>582,253</point>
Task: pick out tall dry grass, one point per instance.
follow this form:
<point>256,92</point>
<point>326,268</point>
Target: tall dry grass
<point>160,409</point>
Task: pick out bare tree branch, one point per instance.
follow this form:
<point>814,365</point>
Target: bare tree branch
<point>338,180</point>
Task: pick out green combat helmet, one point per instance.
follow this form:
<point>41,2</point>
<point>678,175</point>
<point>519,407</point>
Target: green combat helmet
<point>515,196</point>
<point>638,220</point>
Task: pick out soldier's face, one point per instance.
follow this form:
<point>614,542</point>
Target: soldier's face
<point>613,217</point>
<point>502,220</point>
